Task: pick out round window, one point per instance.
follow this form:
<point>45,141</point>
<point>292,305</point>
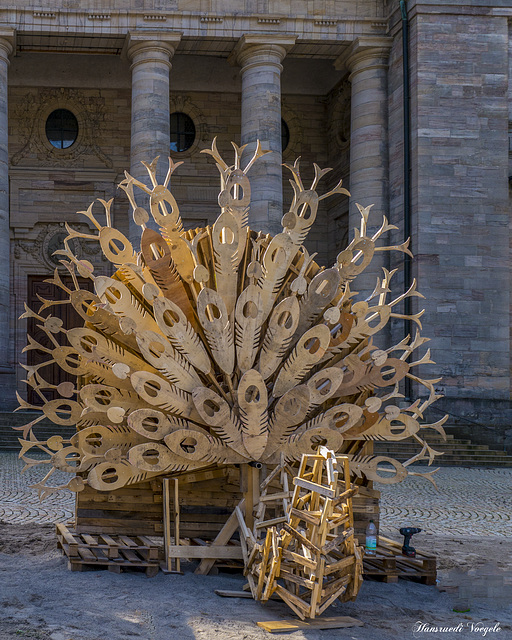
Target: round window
<point>285,135</point>
<point>61,128</point>
<point>183,131</point>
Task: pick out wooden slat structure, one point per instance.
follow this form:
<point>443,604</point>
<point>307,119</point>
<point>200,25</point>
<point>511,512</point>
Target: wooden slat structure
<point>389,564</point>
<point>311,559</point>
<point>132,510</point>
<point>211,369</point>
<point>102,551</point>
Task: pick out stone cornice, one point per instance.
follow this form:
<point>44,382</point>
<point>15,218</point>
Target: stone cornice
<point>364,52</point>
<point>321,29</point>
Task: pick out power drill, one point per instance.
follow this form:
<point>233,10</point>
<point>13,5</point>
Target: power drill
<point>408,533</point>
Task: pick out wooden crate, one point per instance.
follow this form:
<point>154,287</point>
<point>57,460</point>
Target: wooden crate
<point>115,553</point>
<point>389,564</point>
<point>206,500</point>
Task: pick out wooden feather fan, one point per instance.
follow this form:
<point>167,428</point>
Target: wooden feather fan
<point>222,345</point>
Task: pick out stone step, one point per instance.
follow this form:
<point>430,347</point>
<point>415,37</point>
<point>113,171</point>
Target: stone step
<point>42,430</point>
<point>456,451</point>
<point>467,448</point>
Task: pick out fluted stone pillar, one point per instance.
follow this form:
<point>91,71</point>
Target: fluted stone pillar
<point>367,60</point>
<point>6,365</point>
<point>260,59</point>
<point>150,54</point>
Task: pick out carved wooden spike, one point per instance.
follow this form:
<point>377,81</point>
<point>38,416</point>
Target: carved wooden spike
<point>116,247</point>
<point>122,302</point>
<point>298,221</point>
<point>157,256</point>
<point>239,204</point>
<point>197,446</point>
<point>108,476</point>
<point>160,202</point>
<point>369,466</point>
<point>253,400</point>
<point>98,439</point>
<point>153,424</point>
<point>93,346</point>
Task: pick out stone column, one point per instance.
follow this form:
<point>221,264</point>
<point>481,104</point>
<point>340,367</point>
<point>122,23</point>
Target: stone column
<point>260,58</point>
<point>367,60</point>
<point>150,54</point>
<point>6,363</point>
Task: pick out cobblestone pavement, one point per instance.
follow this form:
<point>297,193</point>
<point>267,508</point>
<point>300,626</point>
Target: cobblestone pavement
<point>20,504</point>
<point>470,501</point>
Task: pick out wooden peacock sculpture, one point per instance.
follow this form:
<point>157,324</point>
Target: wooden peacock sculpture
<point>221,345</point>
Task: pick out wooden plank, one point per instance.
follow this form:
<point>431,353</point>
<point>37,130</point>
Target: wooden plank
<point>282,495</point>
<point>271,523</point>
<point>282,626</point>
<point>71,541</point>
<point>327,548</point>
<point>223,537</point>
<point>211,552</point>
<point>307,516</point>
<point>263,565</point>
<point>300,607</point>
<point>295,557</point>
<point>225,474</point>
<point>303,540</point>
<point>313,486</point>
<point>339,566</point>
<point>177,521</point>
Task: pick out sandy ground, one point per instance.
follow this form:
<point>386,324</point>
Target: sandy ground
<point>40,598</point>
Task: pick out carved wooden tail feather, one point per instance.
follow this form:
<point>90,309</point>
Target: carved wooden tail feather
<point>222,346</point>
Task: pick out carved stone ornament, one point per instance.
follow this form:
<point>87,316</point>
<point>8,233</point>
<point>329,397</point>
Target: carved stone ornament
<point>51,239</point>
<point>33,112</point>
<point>339,120</point>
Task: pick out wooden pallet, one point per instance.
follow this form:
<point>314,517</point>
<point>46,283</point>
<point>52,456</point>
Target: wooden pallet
<point>115,553</point>
<point>389,564</point>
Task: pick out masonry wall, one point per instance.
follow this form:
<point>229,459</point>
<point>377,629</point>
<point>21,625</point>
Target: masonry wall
<point>462,208</point>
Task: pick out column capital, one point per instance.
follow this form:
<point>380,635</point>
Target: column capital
<point>7,42</point>
<point>261,49</point>
<point>363,53</point>
<point>144,46</point>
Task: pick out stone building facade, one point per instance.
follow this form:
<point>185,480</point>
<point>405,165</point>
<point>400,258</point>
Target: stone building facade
<point>332,71</point>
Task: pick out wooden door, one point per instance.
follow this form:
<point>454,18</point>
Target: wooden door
<point>70,318</point>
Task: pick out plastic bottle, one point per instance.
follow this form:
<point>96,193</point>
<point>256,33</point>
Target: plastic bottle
<point>371,539</point>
